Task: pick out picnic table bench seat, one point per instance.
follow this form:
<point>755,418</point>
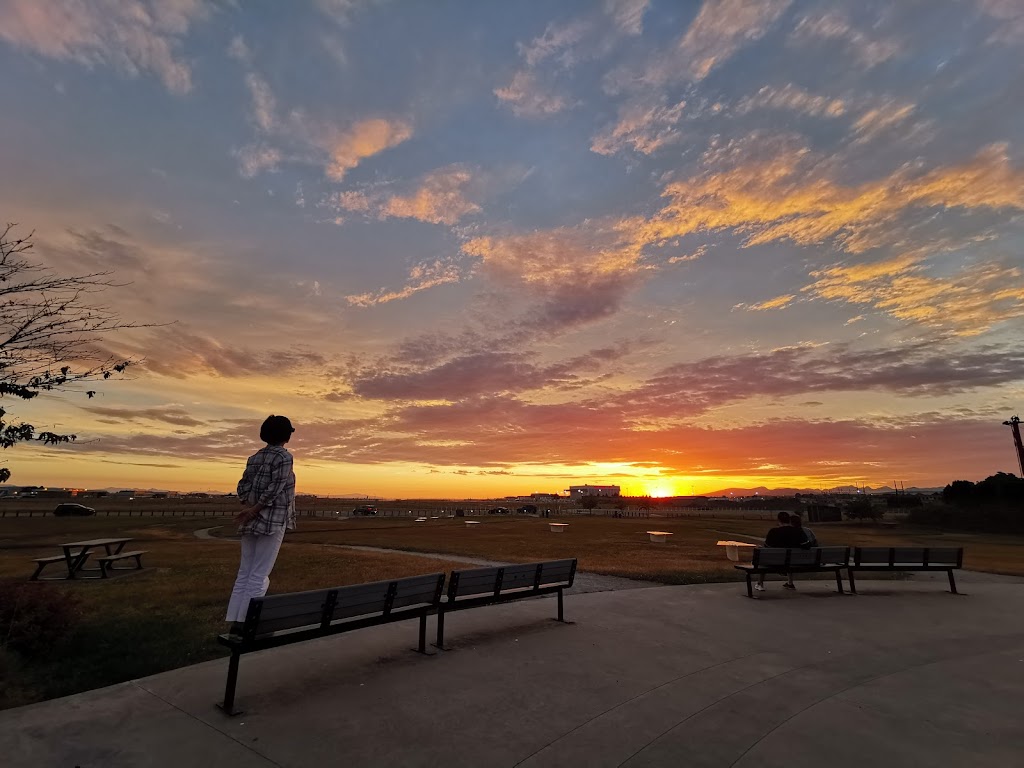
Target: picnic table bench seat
<point>475,587</point>
<point>897,559</point>
<point>788,560</point>
<point>107,562</point>
<point>275,620</point>
<point>42,562</point>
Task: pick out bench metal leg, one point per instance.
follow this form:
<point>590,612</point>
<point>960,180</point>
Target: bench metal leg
<point>839,581</point>
<point>229,690</point>
<point>561,615</point>
<point>422,647</point>
<point>853,584</point>
<point>952,583</point>
<point>750,587</point>
<point>440,630</point>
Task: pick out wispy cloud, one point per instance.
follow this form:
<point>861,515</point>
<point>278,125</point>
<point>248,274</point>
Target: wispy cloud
<point>132,36</point>
<point>421,277</point>
<point>644,127</point>
<point>527,98</point>
<point>831,28</point>
<point>443,196</point>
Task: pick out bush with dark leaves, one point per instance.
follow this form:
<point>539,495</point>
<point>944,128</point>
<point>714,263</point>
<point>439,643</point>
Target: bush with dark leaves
<point>34,617</point>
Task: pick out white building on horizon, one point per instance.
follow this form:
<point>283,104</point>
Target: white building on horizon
<point>576,491</point>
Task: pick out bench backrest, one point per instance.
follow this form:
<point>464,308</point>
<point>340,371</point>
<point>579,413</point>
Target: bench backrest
<point>321,607</point>
<point>779,557</point>
<point>951,557</point>
<point>511,578</point>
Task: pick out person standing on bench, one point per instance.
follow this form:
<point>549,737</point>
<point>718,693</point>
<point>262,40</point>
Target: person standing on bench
<point>267,488</point>
<point>784,536</point>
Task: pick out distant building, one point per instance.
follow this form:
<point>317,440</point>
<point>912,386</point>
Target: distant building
<point>576,491</point>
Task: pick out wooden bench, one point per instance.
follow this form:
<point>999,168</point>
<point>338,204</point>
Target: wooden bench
<point>42,562</point>
<point>476,587</point>
<point>781,560</point>
<point>276,620</point>
<point>906,559</point>
<point>107,562</point>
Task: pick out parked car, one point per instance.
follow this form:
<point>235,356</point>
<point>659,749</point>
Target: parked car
<point>365,509</point>
<point>499,511</point>
<point>528,509</point>
<point>76,510</point>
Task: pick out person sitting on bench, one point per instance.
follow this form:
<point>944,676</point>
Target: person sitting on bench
<point>810,540</point>
<point>783,536</point>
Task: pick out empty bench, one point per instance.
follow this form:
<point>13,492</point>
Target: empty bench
<point>107,563</point>
<point>780,560</point>
<point>476,587</point>
<point>896,559</point>
<point>276,620</point>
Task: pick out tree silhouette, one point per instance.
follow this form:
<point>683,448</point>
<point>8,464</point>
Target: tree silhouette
<point>49,326</point>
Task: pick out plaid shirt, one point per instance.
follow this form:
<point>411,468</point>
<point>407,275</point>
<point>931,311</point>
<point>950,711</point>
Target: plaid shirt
<point>269,480</point>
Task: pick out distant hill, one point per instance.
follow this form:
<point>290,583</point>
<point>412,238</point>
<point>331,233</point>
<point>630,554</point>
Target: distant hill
<point>763,491</point>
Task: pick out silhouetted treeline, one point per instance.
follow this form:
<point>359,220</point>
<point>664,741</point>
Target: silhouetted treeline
<point>995,504</point>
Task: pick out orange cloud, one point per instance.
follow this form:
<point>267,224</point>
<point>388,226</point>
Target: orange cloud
<point>443,196</point>
<point>787,197</point>
<point>792,98</point>
<point>347,148</point>
<point>967,303</point>
<point>129,35</point>
<point>644,127</point>
<point>777,303</point>
<point>439,199</point>
<point>724,26</point>
<point>421,277</point>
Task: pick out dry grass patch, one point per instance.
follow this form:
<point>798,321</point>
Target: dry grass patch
<point>166,616</point>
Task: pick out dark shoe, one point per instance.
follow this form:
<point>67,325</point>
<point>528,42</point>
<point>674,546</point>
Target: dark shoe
<point>787,585</point>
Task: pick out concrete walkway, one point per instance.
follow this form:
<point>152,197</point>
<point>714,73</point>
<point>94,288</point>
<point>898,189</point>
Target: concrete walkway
<point>903,674</point>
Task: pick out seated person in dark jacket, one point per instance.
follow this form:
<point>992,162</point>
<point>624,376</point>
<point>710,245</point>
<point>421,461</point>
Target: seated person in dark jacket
<point>784,536</point>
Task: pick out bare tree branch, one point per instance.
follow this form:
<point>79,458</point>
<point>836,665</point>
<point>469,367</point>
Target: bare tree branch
<point>48,324</point>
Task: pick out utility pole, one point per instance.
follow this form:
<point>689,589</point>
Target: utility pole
<point>1014,425</point>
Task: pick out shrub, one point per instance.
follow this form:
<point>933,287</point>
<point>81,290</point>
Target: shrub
<point>34,617</point>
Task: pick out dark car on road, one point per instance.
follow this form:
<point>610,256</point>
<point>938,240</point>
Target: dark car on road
<point>365,509</point>
<point>76,510</point>
<point>499,511</point>
<point>528,509</point>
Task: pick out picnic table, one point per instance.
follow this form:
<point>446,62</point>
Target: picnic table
<point>733,548</point>
<point>75,553</point>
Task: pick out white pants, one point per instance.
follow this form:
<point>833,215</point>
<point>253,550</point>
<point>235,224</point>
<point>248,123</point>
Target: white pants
<point>258,556</point>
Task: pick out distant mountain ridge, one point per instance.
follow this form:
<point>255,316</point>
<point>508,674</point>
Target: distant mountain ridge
<point>763,491</point>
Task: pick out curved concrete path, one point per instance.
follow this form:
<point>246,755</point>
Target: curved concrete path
<point>903,674</point>
<point>584,581</point>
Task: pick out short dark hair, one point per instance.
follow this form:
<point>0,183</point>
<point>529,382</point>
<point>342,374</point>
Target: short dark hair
<point>794,519</point>
<point>783,517</point>
<point>276,430</point>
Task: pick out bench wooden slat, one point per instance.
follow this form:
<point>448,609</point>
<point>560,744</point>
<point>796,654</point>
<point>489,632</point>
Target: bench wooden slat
<point>55,558</point>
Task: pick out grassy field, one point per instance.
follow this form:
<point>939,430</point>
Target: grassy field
<point>620,547</point>
<point>169,614</point>
<point>164,617</point>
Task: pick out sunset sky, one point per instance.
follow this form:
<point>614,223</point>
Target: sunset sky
<point>489,248</point>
